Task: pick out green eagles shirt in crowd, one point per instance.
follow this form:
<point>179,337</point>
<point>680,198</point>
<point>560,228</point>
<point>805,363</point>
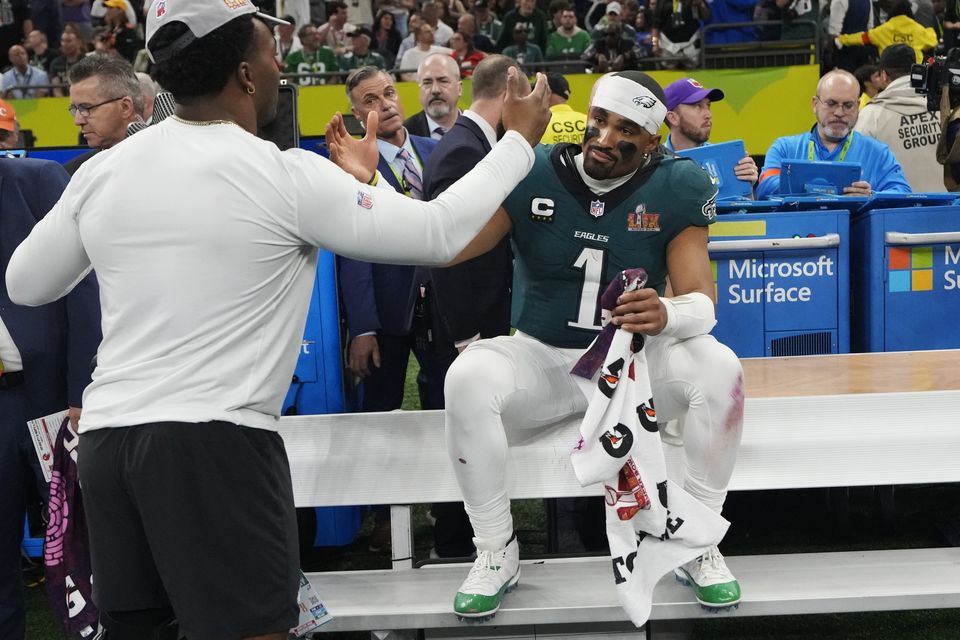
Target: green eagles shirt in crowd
<point>320,61</point>
<point>560,46</point>
<point>569,242</point>
<point>353,61</point>
<point>529,55</point>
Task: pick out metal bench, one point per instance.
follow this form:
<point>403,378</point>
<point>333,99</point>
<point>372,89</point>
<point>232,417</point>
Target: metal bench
<point>814,421</point>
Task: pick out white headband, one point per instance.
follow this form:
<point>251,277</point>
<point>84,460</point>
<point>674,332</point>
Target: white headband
<point>631,100</point>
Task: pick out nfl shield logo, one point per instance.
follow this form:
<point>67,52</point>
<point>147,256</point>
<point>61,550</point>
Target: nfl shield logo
<point>596,208</point>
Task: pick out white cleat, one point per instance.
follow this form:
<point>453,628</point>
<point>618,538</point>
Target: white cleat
<point>494,573</point>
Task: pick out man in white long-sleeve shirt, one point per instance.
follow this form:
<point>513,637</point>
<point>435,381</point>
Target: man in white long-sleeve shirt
<point>850,16</point>
<point>206,263</point>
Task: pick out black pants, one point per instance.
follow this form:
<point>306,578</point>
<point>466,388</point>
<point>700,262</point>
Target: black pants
<point>199,517</point>
<point>20,482</point>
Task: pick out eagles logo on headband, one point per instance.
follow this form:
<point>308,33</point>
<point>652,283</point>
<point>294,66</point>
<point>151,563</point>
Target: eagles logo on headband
<point>630,99</point>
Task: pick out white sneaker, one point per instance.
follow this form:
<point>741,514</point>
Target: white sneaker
<point>494,573</point>
<point>713,584</point>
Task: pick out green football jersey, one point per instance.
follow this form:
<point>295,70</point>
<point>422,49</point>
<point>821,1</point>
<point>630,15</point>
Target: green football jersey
<point>560,46</point>
<point>570,242</point>
<point>320,61</point>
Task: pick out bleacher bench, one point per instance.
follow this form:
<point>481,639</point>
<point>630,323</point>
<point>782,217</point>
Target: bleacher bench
<point>813,421</point>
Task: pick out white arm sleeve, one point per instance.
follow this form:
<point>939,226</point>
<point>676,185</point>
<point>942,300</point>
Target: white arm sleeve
<point>689,315</point>
<point>352,219</point>
<point>51,261</point>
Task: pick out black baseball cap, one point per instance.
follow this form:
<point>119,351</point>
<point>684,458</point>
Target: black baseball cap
<point>898,58</point>
<point>559,85</point>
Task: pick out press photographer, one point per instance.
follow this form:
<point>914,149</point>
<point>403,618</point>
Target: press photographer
<point>939,80</point>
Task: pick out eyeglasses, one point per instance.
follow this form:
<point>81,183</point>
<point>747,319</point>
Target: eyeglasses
<point>832,105</point>
<point>85,109</point>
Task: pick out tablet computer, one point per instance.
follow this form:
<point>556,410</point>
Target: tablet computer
<point>748,206</point>
<point>816,177</point>
<point>883,200</point>
<point>719,161</point>
<point>823,202</point>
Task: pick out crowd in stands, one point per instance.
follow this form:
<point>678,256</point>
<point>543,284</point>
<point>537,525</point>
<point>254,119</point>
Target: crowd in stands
<point>326,40</point>
<point>598,36</point>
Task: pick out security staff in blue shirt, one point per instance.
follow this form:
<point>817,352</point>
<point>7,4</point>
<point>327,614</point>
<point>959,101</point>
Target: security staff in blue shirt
<point>833,138</point>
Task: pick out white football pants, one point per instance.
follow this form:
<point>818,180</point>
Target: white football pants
<point>518,382</point>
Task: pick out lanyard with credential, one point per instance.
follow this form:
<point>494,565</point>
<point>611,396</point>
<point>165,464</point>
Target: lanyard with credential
<point>843,150</point>
<point>400,180</point>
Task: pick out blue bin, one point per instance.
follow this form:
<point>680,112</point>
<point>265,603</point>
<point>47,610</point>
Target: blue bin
<point>782,282</point>
<point>906,278</point>
<point>318,388</point>
<point>33,547</point>
<point>338,526</point>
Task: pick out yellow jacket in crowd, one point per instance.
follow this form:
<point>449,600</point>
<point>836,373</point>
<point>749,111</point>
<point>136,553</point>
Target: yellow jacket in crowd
<point>897,30</point>
<point>566,125</point>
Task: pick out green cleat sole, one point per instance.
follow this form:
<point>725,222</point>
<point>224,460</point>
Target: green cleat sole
<point>717,597</point>
<point>478,608</point>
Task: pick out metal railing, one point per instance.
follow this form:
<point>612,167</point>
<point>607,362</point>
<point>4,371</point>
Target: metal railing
<point>759,53</point>
<point>6,93</point>
<point>338,77</point>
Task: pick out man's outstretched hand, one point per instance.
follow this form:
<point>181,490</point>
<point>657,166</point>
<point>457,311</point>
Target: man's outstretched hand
<point>357,157</point>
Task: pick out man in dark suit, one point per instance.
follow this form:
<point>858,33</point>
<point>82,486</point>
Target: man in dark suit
<point>440,89</point>
<point>375,296</point>
<point>471,300</point>
<point>46,353</point>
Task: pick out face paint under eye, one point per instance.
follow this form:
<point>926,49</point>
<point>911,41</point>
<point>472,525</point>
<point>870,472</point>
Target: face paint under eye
<point>590,133</point>
<point>627,149</point>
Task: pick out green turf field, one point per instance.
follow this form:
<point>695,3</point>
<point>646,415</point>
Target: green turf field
<point>762,522</point>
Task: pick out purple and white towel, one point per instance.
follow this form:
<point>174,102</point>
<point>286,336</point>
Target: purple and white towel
<point>653,525</point>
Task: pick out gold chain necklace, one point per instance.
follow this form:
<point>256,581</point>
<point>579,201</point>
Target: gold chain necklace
<point>202,123</point>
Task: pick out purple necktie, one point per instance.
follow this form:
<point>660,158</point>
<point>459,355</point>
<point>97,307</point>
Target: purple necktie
<point>411,176</point>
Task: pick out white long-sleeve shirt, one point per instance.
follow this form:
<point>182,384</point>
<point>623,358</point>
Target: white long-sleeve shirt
<point>838,11</point>
<point>203,239</point>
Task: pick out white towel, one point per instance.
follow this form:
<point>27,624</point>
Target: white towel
<point>653,525</point>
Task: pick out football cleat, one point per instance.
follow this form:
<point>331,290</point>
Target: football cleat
<point>713,584</point>
<point>494,573</point>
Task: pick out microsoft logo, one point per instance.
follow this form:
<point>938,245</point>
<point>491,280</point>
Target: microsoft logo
<point>911,269</point>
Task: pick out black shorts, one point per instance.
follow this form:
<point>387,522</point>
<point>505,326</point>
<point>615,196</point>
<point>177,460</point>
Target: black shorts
<point>199,517</point>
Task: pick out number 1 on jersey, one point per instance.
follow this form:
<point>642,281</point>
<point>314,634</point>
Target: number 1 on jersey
<point>593,263</point>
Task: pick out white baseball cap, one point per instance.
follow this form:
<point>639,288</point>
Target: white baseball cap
<point>614,7</point>
<point>200,16</point>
